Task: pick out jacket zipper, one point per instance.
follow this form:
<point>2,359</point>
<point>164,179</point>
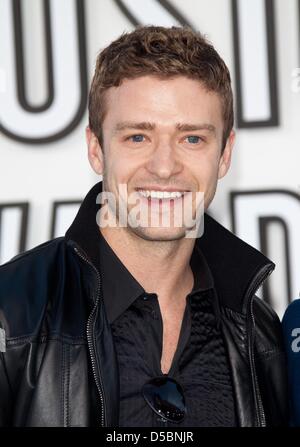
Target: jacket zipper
<point>91,341</point>
<point>254,286</point>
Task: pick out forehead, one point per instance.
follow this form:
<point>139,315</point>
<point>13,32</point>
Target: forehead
<point>178,99</point>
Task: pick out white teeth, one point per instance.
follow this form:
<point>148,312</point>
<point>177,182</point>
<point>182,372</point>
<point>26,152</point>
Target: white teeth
<point>143,193</point>
<point>161,194</point>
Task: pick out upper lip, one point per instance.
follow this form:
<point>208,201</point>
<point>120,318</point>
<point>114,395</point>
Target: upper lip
<point>157,188</point>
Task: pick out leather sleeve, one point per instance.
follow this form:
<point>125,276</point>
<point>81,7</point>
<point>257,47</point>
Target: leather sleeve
<point>12,362</point>
<point>12,348</point>
<point>5,393</point>
<point>270,362</point>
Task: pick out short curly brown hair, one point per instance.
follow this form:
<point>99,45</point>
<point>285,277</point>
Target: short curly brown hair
<point>164,53</point>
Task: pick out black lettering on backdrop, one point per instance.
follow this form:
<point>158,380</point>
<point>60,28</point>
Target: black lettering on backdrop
<point>17,230</point>
<point>63,213</point>
<point>252,213</point>
<point>265,111</point>
<point>67,89</point>
<point>62,124</point>
<point>264,223</point>
<point>19,57</point>
<point>136,19</point>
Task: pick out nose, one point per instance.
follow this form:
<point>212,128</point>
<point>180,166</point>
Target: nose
<point>164,161</point>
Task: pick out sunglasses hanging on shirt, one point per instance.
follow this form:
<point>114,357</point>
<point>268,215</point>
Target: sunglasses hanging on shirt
<point>165,397</point>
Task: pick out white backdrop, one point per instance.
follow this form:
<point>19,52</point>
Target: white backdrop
<point>259,198</point>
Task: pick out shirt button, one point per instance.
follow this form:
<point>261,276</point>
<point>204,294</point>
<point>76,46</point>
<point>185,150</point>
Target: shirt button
<point>145,297</point>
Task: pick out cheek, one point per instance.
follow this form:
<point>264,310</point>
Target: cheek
<point>211,185</point>
<point>120,170</point>
<point>206,171</point>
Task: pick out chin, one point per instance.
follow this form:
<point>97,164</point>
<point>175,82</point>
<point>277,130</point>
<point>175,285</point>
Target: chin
<point>159,233</point>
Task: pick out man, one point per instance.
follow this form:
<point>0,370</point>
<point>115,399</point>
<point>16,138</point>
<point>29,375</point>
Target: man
<point>291,331</point>
<point>143,324</point>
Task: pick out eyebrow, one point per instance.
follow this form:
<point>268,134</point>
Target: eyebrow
<point>184,127</point>
<point>145,125</point>
<point>133,125</point>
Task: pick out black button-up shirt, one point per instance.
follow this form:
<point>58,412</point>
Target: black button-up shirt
<point>200,362</point>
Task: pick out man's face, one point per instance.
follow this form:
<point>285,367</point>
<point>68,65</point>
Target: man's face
<point>161,135</point>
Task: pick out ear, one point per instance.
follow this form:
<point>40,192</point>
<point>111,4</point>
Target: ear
<point>95,153</point>
<point>225,160</point>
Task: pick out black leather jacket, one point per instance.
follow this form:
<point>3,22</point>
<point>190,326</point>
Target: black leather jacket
<point>58,363</point>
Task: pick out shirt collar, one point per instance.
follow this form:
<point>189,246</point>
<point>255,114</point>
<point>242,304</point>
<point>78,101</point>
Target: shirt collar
<point>121,289</point>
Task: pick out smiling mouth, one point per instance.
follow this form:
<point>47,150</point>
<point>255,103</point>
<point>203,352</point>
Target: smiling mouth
<point>161,195</point>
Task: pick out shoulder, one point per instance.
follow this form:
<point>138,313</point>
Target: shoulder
<point>25,284</point>
<point>291,329</point>
<point>263,310</point>
<point>30,265</point>
<point>32,254</point>
<point>291,333</point>
<point>268,329</point>
<point>292,314</point>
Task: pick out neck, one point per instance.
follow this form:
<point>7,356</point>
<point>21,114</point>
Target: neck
<point>161,267</point>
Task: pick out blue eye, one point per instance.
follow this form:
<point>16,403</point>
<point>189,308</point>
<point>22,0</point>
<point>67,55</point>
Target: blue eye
<point>137,138</point>
<point>193,139</point>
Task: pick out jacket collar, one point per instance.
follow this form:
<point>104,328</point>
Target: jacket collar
<point>233,264</point>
